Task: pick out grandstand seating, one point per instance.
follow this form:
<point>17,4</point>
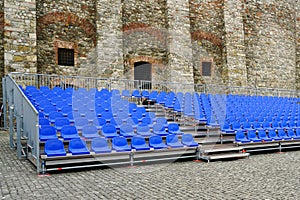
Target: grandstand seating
<point>90,114</point>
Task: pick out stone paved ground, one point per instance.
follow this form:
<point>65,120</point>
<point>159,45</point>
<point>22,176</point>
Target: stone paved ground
<point>269,176</point>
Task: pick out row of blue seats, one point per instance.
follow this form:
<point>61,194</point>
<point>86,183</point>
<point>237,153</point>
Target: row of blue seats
<point>234,126</point>
<point>267,136</point>
<point>89,131</point>
<point>55,147</point>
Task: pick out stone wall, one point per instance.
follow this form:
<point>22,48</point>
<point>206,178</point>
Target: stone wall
<point>297,20</point>
<point>180,62</point>
<point>234,43</point>
<point>66,24</point>
<point>109,42</point>
<point>270,43</point>
<point>145,36</point>
<point>207,30</point>
<point>1,44</point>
<point>20,36</point>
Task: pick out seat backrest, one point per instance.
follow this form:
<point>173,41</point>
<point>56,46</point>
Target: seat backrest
<point>126,128</point>
<point>142,128</point>
<point>109,128</point>
<point>119,141</point>
<point>68,130</point>
<point>291,132</point>
<point>158,127</point>
<point>99,143</point>
<point>172,138</point>
<point>187,138</point>
<point>61,121</point>
<point>262,134</point>
<point>155,139</point>
<point>146,120</point>
<point>281,133</point>
<point>89,129</point>
<point>77,144</point>
<point>136,140</point>
<point>272,133</point>
<point>47,130</point>
<point>161,120</point>
<point>240,135</point>
<point>173,127</point>
<point>54,144</point>
<point>44,121</point>
<point>81,121</point>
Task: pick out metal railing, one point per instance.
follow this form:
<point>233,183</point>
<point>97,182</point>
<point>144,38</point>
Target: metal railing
<point>125,84</point>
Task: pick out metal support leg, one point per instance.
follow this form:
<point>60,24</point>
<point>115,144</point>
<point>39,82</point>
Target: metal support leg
<point>11,127</point>
<point>131,157</point>
<point>19,144</point>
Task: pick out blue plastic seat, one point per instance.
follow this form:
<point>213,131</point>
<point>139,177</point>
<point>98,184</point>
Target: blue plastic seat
<point>173,128</point>
<point>54,115</point>
<point>226,128</point>
<point>47,132</point>
<point>126,93</point>
<point>132,121</point>
<point>291,133</point>
<point>127,130</point>
<point>44,121</point>
<point>78,147</point>
<point>282,134</point>
<point>147,121</point>
<point>145,94</point>
<point>156,142</point>
<point>60,122</point>
<point>139,143</point>
<point>241,137</point>
<point>159,129</point>
<point>188,140</point>
<point>143,130</point>
<point>162,120</point>
<point>172,141</point>
<point>69,132</point>
<point>54,147</point>
<point>109,131</point>
<point>89,131</point>
<point>100,145</point>
<point>120,144</point>
<point>80,123</point>
<point>251,134</point>
<point>263,136</point>
<point>136,94</point>
<point>273,135</point>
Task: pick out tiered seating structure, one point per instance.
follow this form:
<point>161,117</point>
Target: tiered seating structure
<point>106,125</point>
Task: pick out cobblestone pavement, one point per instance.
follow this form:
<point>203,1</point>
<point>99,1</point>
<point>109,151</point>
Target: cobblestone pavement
<point>268,176</point>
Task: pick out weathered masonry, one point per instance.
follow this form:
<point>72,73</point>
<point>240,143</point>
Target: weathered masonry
<point>252,43</point>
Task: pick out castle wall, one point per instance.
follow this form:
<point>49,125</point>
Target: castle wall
<point>1,43</point>
<point>179,42</point>
<point>297,20</point>
<point>207,31</point>
<point>110,39</point>
<point>270,43</point>
<point>234,43</point>
<point>20,36</point>
<point>66,24</point>
<point>145,36</point>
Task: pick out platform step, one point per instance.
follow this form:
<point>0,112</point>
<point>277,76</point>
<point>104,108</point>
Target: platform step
<point>224,156</point>
<point>212,149</point>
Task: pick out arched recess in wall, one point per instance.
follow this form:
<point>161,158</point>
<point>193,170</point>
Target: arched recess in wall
<point>67,28</point>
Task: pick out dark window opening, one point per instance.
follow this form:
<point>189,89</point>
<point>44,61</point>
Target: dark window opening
<point>66,57</point>
<point>206,68</point>
<point>142,75</point>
